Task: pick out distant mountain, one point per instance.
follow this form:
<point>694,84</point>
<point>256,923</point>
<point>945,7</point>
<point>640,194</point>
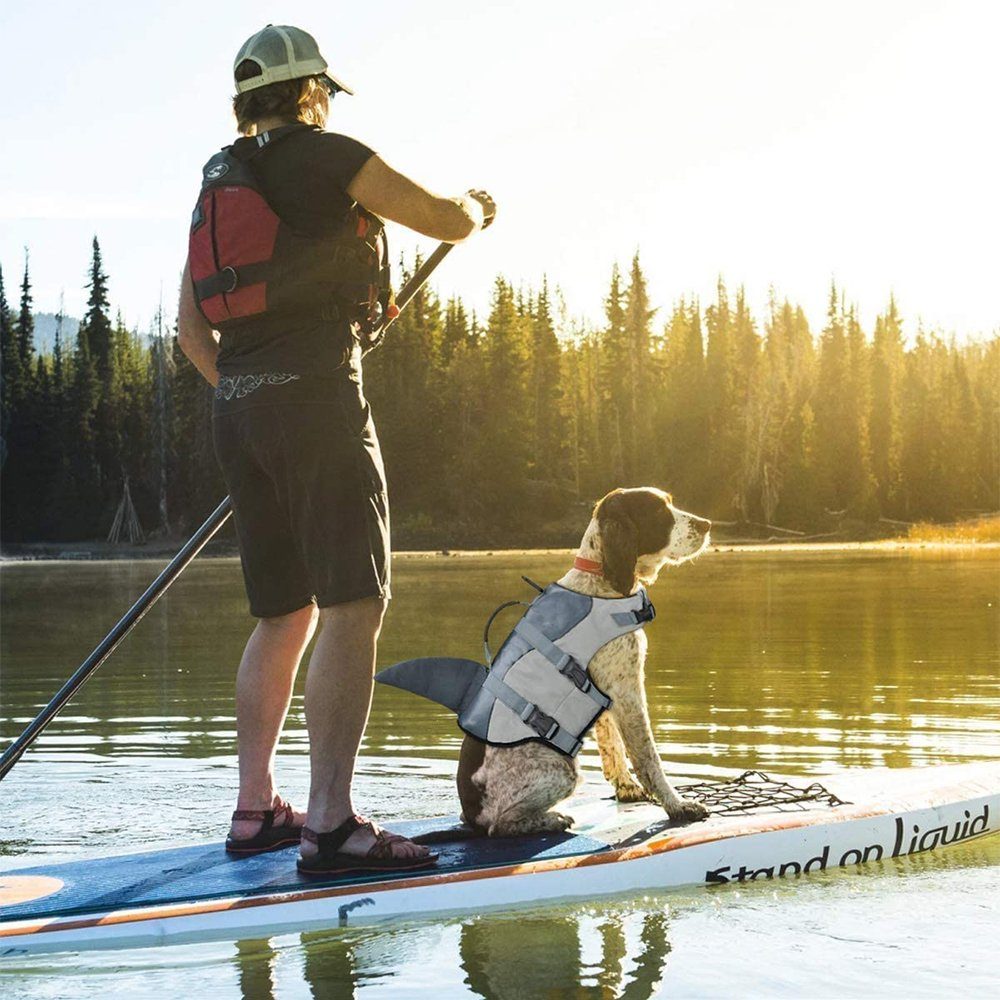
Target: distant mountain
<point>45,332</point>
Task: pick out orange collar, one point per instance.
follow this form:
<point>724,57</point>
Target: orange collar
<point>588,566</point>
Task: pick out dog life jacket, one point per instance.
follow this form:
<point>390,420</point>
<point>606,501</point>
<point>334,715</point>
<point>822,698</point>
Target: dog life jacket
<point>246,262</point>
<point>537,687</point>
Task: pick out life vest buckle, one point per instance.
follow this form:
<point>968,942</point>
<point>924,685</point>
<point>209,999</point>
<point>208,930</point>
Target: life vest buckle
<point>543,724</point>
<point>233,277</point>
<point>571,668</point>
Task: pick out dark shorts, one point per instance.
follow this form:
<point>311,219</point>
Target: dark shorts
<point>309,498</point>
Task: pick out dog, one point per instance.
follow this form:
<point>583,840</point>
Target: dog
<point>511,790</point>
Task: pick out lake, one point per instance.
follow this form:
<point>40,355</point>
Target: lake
<point>797,663</point>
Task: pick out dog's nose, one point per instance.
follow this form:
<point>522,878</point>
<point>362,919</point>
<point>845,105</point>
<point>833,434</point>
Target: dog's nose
<point>702,525</point>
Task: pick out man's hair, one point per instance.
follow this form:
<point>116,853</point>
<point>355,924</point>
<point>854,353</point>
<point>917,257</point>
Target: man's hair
<point>305,100</point>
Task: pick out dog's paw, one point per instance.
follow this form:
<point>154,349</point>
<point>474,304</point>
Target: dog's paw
<point>687,811</point>
<point>630,791</point>
<point>562,822</point>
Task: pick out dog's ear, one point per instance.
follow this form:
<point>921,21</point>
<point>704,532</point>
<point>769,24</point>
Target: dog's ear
<point>619,541</point>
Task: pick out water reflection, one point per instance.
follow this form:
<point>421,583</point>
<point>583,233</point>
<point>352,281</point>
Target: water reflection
<point>606,954</point>
<point>796,662</point>
<point>616,950</point>
<point>255,966</point>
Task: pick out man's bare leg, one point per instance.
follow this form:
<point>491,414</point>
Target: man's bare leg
<point>263,692</point>
<point>338,699</point>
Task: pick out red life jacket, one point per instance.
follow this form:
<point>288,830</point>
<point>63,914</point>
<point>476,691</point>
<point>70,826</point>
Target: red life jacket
<point>247,263</point>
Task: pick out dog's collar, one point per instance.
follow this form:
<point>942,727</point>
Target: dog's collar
<point>588,566</point>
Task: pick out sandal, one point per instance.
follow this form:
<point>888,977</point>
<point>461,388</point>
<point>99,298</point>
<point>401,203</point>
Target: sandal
<point>329,860</point>
<point>271,836</point>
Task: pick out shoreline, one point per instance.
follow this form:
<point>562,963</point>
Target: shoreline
<point>163,552</point>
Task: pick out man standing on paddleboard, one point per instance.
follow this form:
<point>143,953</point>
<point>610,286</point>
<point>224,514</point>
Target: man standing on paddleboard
<point>283,284</point>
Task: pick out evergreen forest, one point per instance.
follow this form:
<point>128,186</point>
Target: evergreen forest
<point>503,430</point>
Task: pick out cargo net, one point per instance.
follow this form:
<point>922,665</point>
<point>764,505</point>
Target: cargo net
<point>753,792</point>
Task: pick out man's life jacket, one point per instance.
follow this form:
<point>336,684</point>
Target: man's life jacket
<point>247,263</point>
<point>537,687</point>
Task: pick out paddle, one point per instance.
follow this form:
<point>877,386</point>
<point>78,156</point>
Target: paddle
<point>176,566</point>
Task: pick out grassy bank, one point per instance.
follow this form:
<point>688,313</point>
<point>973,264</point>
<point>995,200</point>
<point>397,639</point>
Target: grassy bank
<point>976,531</point>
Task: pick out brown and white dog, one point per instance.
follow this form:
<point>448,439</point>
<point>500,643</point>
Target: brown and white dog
<point>511,791</point>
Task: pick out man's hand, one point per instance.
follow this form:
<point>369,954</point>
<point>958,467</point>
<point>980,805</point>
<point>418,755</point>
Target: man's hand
<point>488,204</point>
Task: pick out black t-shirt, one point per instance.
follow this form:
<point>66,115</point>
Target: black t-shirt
<point>304,178</point>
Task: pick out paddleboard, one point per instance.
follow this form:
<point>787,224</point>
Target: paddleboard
<point>759,830</point>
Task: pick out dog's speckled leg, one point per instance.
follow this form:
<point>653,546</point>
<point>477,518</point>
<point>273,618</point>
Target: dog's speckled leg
<point>613,762</point>
<point>632,719</point>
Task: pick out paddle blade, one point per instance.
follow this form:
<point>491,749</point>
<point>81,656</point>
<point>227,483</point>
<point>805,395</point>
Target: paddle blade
<point>447,680</point>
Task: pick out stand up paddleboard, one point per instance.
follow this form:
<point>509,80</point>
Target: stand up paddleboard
<point>759,829</point>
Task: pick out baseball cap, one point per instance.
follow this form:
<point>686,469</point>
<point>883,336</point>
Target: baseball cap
<point>284,53</point>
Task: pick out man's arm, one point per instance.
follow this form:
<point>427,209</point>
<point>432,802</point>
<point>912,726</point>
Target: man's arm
<point>387,193</point>
<point>197,339</point>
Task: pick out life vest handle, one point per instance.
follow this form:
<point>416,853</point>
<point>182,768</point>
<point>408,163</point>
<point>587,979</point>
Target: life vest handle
<point>489,622</point>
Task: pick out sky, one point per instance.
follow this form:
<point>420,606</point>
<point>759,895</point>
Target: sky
<point>772,142</point>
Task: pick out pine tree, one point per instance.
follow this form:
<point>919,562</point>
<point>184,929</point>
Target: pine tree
<point>96,325</point>
<point>985,375</point>
<point>725,403</point>
<point>748,405</point>
<point>925,494</point>
<point>10,371</point>
<point>612,406</point>
<point>503,449</point>
<point>456,330</point>
<point>779,483</point>
<point>63,444</point>
<point>547,455</point>
<point>885,422</point>
<point>81,509</point>
<point>26,325</point>
<point>833,429</point>
<point>638,463</point>
<point>41,522</point>
<point>162,372</point>
<point>959,417</point>
<point>23,438</point>
<point>106,419</point>
<point>464,428</point>
<point>402,384</point>
<point>857,406</point>
<point>682,431</point>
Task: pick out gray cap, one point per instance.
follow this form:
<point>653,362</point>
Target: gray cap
<point>283,53</point>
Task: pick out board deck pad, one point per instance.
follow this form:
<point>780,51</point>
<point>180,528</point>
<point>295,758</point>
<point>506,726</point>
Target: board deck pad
<point>206,871</point>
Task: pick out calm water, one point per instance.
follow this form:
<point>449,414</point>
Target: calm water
<point>796,663</point>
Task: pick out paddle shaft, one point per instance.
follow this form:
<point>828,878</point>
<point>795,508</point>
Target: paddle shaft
<point>177,565</point>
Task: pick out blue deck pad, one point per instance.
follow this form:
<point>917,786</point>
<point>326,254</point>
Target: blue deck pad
<point>205,871</point>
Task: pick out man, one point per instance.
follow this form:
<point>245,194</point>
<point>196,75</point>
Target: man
<point>297,445</point>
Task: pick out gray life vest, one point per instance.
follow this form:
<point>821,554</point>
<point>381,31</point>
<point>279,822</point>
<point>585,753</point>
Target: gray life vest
<point>537,686</point>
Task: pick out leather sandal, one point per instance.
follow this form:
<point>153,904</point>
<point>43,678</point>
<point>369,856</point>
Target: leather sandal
<point>271,835</point>
<point>330,860</point>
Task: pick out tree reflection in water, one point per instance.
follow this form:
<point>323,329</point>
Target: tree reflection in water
<point>618,950</point>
